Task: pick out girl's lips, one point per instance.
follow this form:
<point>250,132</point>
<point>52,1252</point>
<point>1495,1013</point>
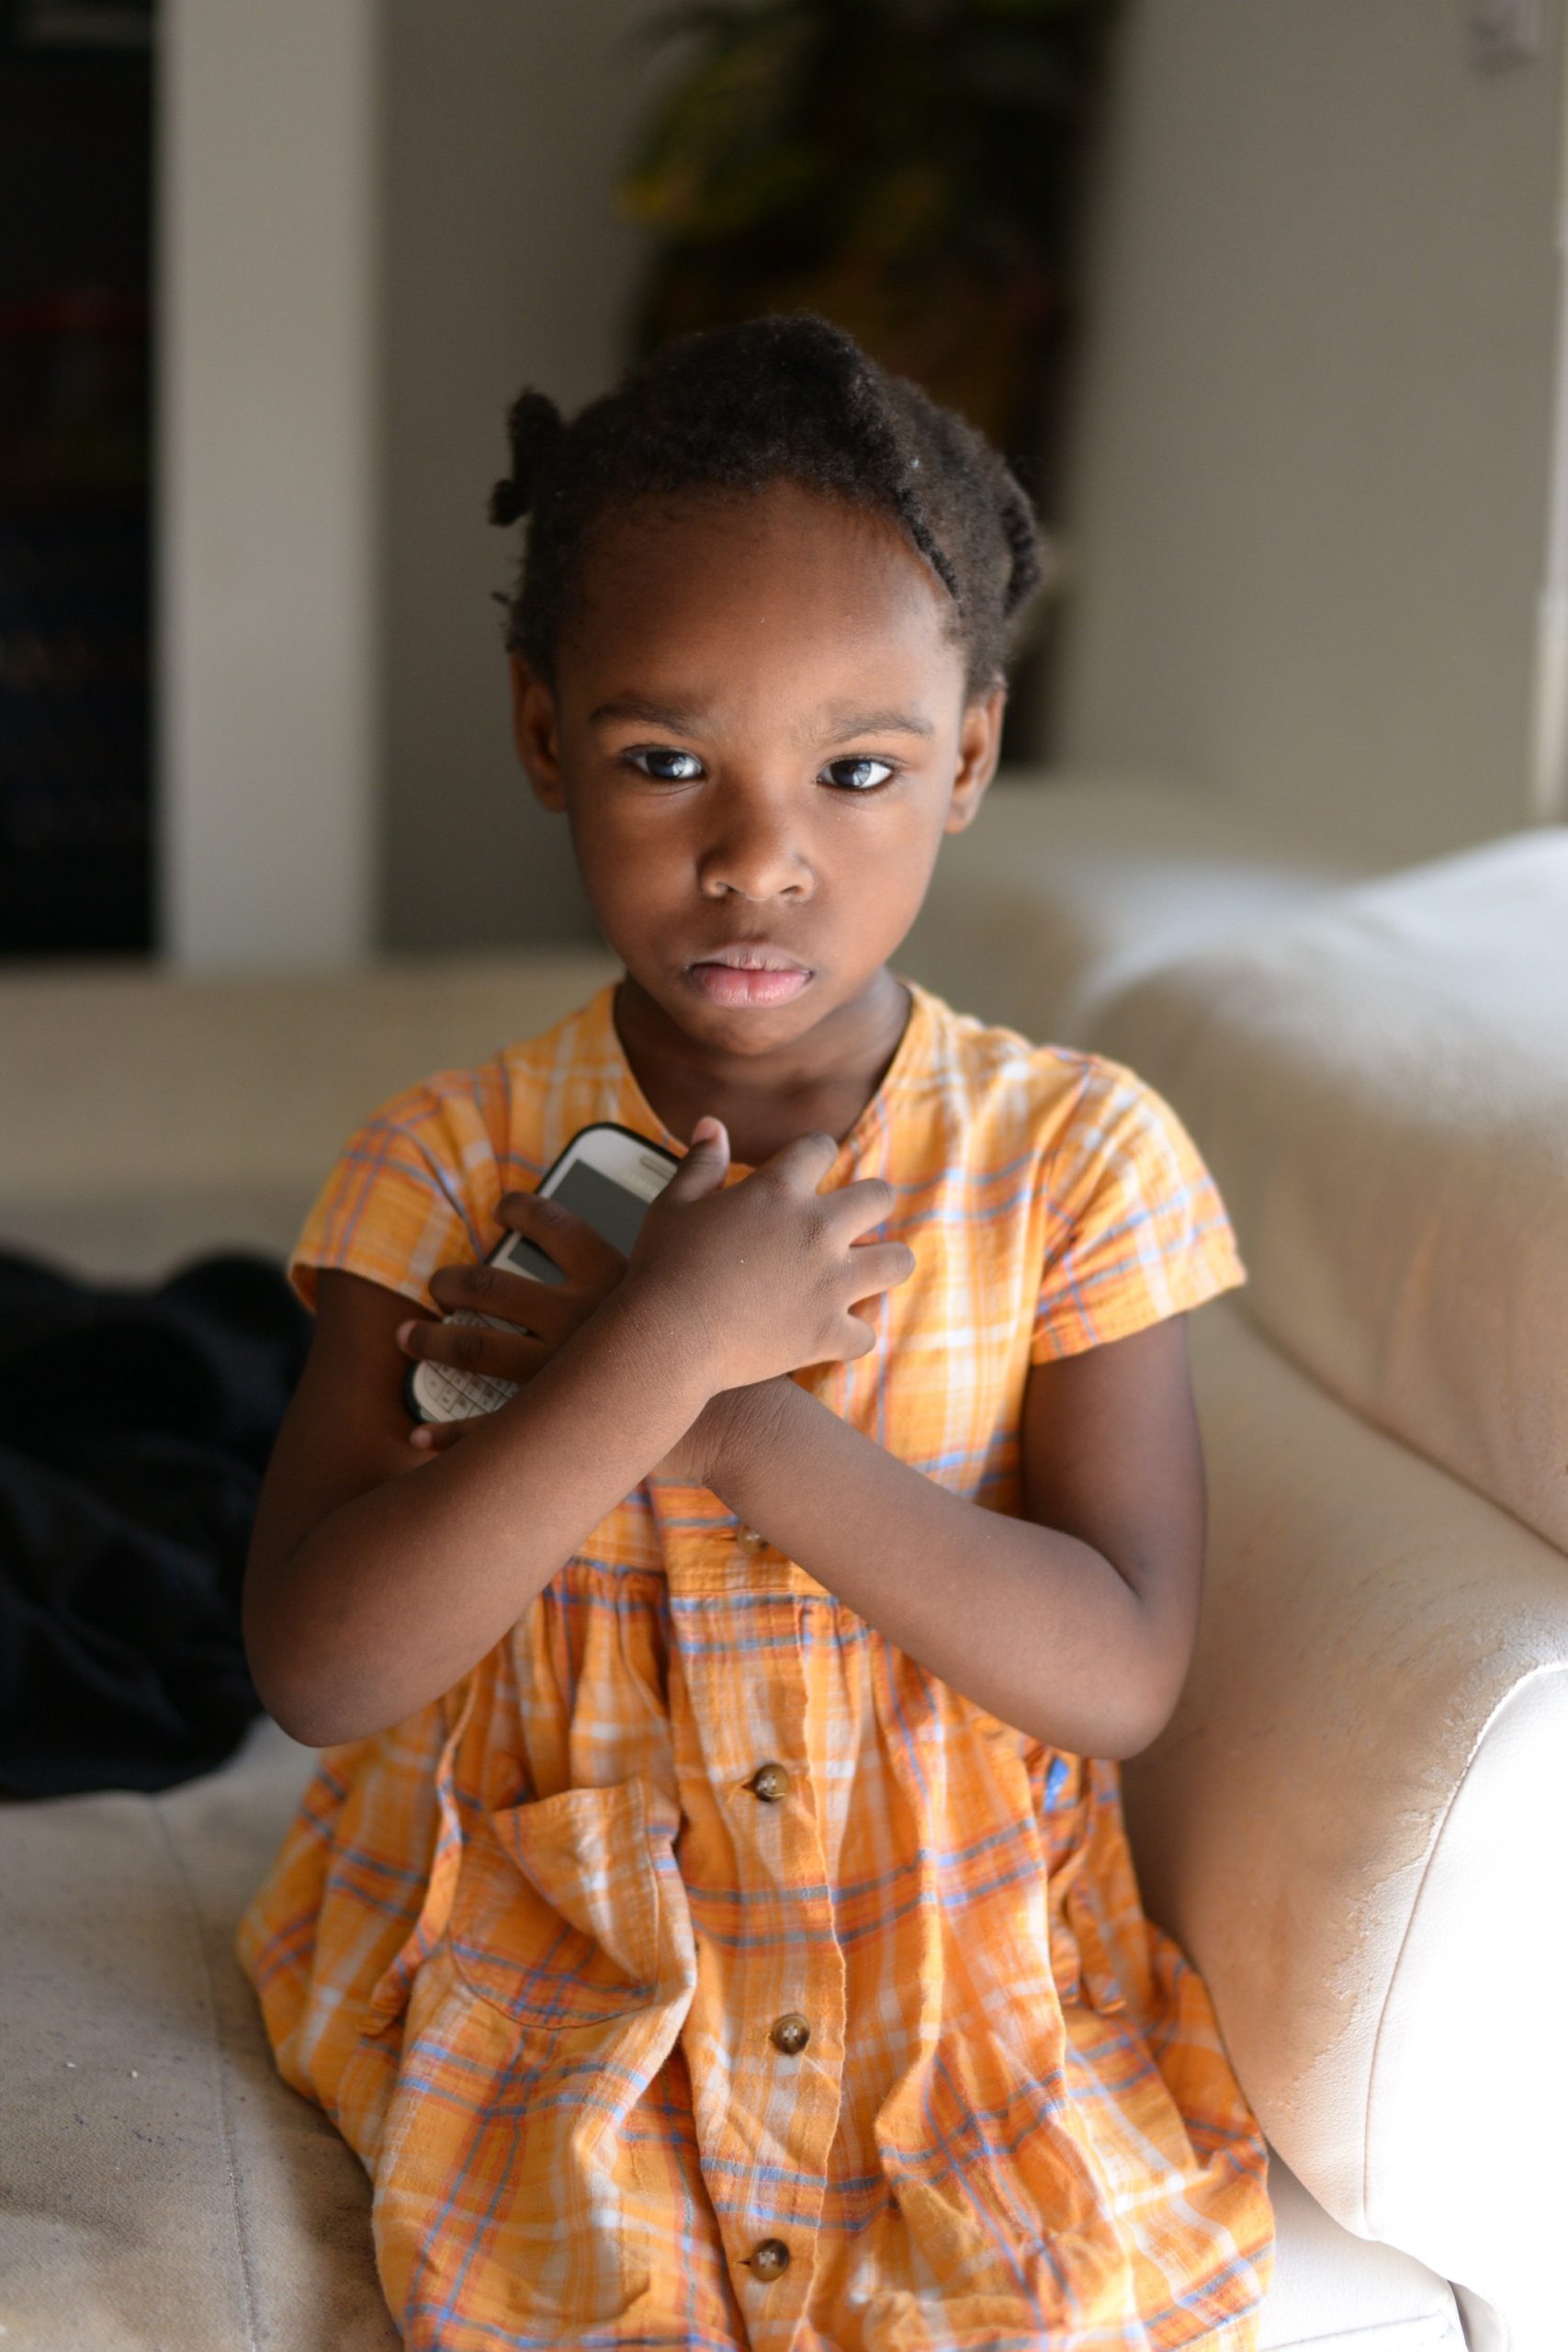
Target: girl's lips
<point>749,983</point>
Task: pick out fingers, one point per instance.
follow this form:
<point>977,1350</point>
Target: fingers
<point>470,1346</point>
<point>858,1338</point>
<point>802,1163</point>
<point>851,1208</point>
<point>877,1266</point>
<point>855,1209</point>
<point>582,1255</point>
<point>428,1439</point>
<point>705,1166</point>
<point>549,1309</point>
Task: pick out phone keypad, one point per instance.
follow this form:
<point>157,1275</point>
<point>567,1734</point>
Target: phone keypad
<point>446,1394</point>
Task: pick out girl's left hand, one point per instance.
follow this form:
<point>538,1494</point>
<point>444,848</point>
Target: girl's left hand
<point>546,1315</point>
<point>543,1316</point>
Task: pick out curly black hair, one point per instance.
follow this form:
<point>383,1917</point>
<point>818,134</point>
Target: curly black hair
<point>734,408</point>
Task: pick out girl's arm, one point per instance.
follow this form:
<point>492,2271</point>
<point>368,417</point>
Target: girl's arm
<point>1076,1624</point>
<point>368,1593</point>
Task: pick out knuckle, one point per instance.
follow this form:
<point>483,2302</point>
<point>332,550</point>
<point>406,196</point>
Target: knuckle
<point>468,1346</point>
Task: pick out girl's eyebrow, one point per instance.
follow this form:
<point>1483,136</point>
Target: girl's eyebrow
<point>877,722</point>
<point>840,721</point>
<point>655,713</point>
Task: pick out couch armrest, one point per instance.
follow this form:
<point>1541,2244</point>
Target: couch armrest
<point>1353,1824</point>
<point>1069,889</point>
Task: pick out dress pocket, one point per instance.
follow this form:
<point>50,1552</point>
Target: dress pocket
<point>556,1915</point>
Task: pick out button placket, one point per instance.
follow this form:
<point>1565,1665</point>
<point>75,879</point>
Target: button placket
<point>770,1852</point>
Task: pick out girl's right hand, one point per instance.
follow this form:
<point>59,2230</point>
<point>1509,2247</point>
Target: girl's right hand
<point>763,1275</point>
<point>536,1318</point>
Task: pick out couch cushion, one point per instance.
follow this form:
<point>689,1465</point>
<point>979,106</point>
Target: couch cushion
<point>1380,1082</point>
<point>1350,1823</point>
<point>1067,889</point>
<point>165,1116</point>
<point>160,2188</point>
<point>1332,2290</point>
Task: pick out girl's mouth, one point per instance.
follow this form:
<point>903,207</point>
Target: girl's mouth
<point>759,975</point>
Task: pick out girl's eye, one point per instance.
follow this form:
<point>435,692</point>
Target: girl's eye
<point>861,775</point>
<point>667,767</point>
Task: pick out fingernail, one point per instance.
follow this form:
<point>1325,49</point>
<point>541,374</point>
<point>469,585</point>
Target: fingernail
<point>424,1437</point>
<point>405,1332</point>
<point>705,1131</point>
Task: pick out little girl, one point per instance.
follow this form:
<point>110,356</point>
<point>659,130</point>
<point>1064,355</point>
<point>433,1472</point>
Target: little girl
<point>708,1924</point>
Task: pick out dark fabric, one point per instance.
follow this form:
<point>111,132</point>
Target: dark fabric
<point>134,1427</point>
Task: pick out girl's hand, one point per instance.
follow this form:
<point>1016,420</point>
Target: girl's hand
<point>542,1315</point>
<point>764,1276</point>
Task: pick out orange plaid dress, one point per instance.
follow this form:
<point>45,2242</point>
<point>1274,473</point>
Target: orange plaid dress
<point>701,1972</point>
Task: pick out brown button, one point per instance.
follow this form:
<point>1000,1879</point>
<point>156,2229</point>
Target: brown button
<point>769,1782</point>
<point>750,1541</point>
<point>769,2260</point>
<point>791,2033</point>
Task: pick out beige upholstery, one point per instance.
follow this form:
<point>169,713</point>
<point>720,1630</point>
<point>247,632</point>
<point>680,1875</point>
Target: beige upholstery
<point>1336,2293</point>
<point>1354,1825</point>
<point>165,2193</point>
<point>1066,891</point>
<point>143,1120</point>
<point>1380,1081</point>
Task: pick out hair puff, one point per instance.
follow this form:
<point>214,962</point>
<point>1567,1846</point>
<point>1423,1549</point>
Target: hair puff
<point>535,430</point>
<point>728,410</point>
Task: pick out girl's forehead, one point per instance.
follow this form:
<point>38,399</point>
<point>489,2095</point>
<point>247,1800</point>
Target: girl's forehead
<point>781,561</point>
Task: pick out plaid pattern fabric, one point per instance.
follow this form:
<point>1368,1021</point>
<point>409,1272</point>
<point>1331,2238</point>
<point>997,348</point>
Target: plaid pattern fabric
<point>544,1951</point>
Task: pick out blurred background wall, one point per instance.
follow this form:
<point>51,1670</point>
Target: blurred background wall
<point>1314,471</point>
<point>504,262</point>
<point>380,221</point>
<point>269,660</point>
<point>1306,493</point>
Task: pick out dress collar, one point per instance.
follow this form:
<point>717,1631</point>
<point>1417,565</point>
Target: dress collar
<point>625,1102</point>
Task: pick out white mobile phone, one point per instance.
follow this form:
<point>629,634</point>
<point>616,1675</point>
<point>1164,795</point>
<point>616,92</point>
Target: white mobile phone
<point>607,1176</point>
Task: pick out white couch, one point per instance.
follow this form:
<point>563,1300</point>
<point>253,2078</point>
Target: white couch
<point>1353,1822</point>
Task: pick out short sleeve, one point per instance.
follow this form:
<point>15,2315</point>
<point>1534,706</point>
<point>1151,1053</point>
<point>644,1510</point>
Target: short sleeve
<point>415,1188</point>
<point>1138,1230</point>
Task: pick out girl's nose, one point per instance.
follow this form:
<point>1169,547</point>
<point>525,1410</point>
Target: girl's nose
<point>755,857</point>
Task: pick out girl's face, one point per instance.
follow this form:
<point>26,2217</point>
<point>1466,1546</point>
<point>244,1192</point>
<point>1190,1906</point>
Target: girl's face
<point>759,734</point>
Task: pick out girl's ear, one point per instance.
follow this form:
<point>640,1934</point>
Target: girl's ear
<point>535,732</point>
<point>979,747</point>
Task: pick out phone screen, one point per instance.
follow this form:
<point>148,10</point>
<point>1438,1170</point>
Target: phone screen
<point>614,1214</point>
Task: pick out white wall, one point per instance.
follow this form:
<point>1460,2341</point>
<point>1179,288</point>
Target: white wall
<point>379,218</point>
<point>1313,468</point>
<point>505,264</point>
<point>266,691</point>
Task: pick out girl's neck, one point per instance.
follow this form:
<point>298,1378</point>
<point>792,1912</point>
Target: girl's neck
<point>819,1084</point>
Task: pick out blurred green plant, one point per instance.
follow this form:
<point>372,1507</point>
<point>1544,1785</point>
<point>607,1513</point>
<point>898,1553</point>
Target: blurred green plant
<point>914,169</point>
